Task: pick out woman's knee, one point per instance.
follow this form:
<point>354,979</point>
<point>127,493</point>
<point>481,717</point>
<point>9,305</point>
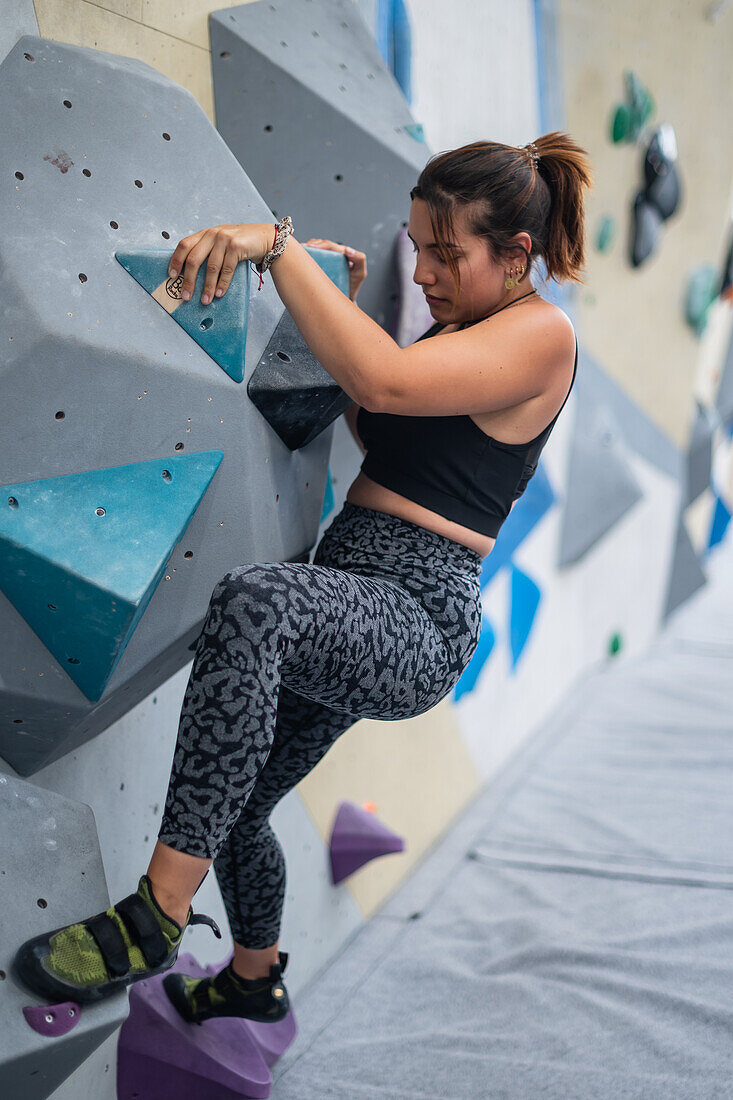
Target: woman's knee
<point>254,579</point>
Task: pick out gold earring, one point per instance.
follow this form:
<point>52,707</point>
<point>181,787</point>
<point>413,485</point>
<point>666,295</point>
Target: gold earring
<point>512,280</point>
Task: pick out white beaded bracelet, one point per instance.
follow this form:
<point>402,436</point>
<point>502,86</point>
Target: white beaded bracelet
<point>283,230</point>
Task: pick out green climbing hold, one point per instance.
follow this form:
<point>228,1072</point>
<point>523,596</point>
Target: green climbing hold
<point>630,117</point>
<point>702,290</point>
<point>614,645</point>
<point>621,125</point>
<point>606,233</point>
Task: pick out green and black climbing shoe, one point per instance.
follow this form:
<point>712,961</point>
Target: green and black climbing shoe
<point>264,1000</point>
<point>89,961</point>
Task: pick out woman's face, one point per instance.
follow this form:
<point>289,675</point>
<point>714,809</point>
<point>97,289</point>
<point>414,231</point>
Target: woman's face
<point>481,278</point>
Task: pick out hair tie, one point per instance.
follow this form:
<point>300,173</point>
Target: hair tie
<point>532,153</point>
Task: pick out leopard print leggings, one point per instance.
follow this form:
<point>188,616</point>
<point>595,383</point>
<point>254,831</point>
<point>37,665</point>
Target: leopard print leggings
<point>380,625</point>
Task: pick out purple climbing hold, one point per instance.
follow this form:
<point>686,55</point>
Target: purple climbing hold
<point>53,1020</point>
<point>412,316</point>
<point>357,837</point>
<point>161,1057</point>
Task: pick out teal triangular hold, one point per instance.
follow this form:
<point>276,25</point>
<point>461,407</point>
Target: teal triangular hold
<point>481,654</point>
<point>82,554</point>
<point>219,328</point>
<point>525,599</point>
<point>334,264</point>
<point>416,131</point>
<point>328,497</point>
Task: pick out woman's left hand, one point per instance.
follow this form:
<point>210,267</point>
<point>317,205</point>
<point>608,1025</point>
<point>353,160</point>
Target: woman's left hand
<point>226,246</point>
<point>357,262</point>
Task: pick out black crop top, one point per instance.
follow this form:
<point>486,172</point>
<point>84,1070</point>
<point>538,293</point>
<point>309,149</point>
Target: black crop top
<point>448,464</point>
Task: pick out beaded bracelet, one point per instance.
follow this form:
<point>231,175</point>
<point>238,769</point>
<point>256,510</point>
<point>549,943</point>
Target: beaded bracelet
<point>283,229</point>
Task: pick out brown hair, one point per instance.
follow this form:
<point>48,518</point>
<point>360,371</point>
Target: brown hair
<point>509,195</point>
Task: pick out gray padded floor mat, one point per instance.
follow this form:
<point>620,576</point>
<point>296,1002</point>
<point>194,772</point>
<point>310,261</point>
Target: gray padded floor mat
<point>572,936</point>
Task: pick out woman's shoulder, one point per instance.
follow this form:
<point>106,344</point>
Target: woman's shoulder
<point>541,326</point>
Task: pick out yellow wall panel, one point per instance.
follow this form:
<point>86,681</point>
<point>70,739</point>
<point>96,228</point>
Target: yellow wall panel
<point>132,9</point>
<point>83,24</point>
<point>631,319</point>
<point>418,772</point>
<point>189,20</point>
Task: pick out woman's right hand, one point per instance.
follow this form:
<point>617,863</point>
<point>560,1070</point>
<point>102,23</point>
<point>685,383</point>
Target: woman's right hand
<point>357,262</point>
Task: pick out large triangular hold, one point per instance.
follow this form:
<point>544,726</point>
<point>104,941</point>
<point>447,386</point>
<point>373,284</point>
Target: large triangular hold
<point>601,486</point>
<point>357,837</point>
<point>481,654</point>
<point>699,455</point>
<point>297,397</point>
<point>525,599</point>
<point>686,574</point>
<point>161,1057</point>
<point>82,554</point>
<point>719,525</point>
<point>220,328</point>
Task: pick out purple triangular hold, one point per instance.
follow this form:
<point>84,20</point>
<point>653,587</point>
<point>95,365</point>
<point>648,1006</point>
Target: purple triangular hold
<point>358,837</point>
<point>162,1057</point>
<point>53,1020</point>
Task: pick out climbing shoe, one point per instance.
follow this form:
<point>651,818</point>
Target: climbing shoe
<point>89,961</point>
<point>264,1000</point>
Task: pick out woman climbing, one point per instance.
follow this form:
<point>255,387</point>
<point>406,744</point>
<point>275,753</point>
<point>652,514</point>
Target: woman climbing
<point>385,619</point>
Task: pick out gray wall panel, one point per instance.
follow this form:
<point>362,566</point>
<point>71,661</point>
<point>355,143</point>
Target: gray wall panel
<point>321,125</point>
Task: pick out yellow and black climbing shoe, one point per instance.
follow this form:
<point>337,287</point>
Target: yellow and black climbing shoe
<point>264,1000</point>
<point>89,961</point>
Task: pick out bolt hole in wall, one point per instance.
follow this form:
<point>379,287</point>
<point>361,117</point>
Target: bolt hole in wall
<point>67,104</point>
<point>285,358</point>
<point>19,176</point>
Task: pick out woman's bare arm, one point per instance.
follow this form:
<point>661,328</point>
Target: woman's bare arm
<point>493,365</point>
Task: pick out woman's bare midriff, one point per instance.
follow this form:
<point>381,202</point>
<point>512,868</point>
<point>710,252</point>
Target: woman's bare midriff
<point>367,494</point>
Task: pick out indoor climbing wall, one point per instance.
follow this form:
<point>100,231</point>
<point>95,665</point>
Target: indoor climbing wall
<point>305,101</point>
<point>137,468</point>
